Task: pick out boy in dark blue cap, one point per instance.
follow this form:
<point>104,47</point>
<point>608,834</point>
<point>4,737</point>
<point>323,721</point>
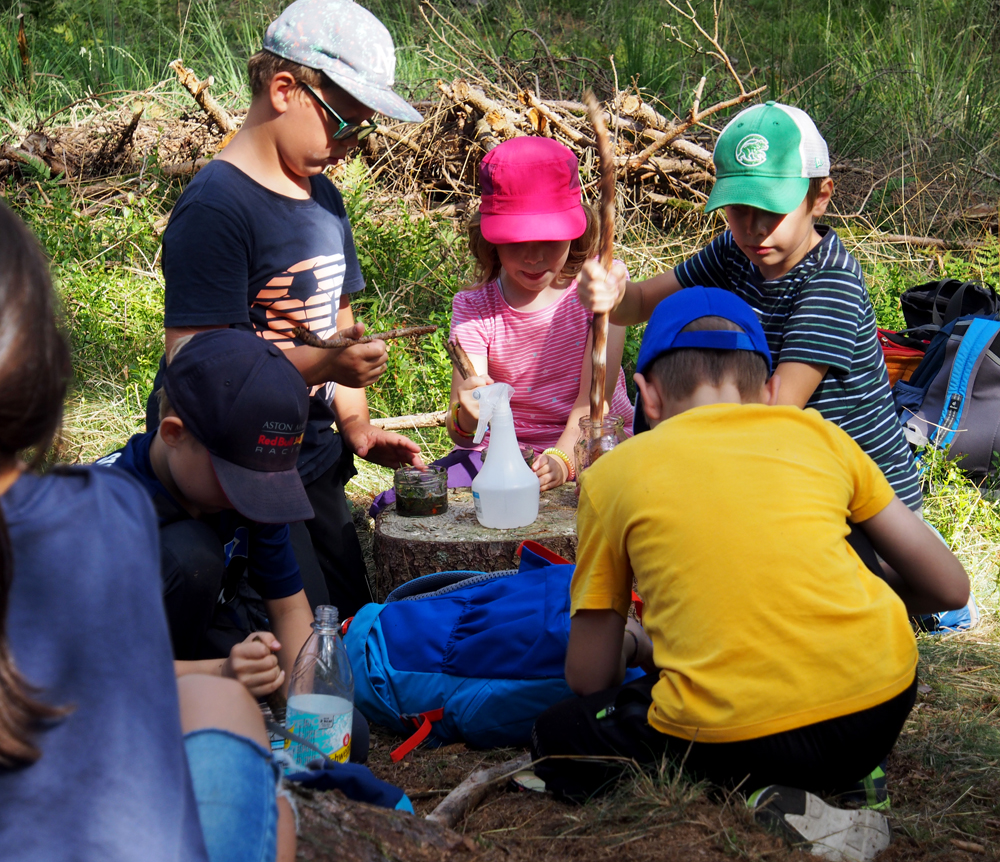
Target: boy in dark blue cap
<point>731,514</point>
<point>260,241</point>
<point>221,469</point>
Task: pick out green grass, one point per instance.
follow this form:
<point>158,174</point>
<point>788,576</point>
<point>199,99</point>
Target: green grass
<point>884,79</point>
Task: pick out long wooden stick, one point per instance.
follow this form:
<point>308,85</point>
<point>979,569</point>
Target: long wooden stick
<point>471,792</point>
<point>599,328</point>
<point>460,359</point>
<point>312,340</point>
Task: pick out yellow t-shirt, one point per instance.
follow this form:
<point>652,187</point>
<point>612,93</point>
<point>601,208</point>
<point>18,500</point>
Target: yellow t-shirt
<point>733,519</point>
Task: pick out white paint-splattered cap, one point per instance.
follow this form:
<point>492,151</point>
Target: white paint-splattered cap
<point>348,44</point>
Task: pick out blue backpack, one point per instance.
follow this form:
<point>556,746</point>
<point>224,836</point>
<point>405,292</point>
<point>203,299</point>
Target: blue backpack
<point>465,656</point>
<point>952,399</point>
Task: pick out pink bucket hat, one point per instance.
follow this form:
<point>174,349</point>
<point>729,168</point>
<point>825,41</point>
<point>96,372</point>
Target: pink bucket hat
<point>531,192</point>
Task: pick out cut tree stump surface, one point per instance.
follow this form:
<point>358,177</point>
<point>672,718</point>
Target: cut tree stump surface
<point>406,548</point>
<point>333,827</point>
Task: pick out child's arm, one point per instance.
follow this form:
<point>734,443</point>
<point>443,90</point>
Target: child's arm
<point>468,407</point>
<point>291,619</point>
<point>925,573</point>
<point>594,657</point>
<point>357,366</point>
<point>629,302</point>
<point>798,381</point>
<point>351,407</point>
<point>551,470</point>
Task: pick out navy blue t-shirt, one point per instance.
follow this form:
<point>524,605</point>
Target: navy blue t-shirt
<point>86,625</point>
<point>264,551</point>
<point>237,254</point>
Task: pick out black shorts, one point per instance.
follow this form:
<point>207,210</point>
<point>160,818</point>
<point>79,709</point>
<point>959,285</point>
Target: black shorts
<point>826,757</point>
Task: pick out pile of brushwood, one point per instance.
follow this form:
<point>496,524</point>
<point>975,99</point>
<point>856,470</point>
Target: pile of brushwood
<point>660,157</point>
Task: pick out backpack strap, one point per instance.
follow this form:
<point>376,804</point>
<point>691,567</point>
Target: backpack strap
<point>423,721</point>
<point>977,338</point>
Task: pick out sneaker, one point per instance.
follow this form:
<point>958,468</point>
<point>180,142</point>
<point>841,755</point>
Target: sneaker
<point>961,620</point>
<point>818,828</point>
<point>870,792</point>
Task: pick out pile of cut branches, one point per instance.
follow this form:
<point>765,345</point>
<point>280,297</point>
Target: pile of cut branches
<point>665,158</point>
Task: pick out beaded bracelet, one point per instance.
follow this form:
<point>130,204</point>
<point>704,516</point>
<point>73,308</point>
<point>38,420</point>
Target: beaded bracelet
<point>456,425</point>
<point>566,460</point>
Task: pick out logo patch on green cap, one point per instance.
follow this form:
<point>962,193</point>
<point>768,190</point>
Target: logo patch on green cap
<point>752,151</point>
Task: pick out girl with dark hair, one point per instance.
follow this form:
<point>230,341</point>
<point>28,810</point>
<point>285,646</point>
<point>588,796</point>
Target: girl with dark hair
<point>93,760</point>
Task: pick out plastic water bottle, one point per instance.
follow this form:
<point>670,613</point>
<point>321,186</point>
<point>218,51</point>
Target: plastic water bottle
<point>321,693</point>
<point>506,491</point>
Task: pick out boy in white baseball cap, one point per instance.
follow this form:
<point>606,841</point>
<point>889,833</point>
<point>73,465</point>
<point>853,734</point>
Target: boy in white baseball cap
<point>772,168</point>
<point>260,241</point>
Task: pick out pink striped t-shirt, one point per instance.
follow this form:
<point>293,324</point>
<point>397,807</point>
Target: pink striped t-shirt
<point>539,353</point>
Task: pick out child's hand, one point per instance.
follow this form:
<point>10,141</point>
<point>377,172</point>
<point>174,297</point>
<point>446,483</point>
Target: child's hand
<point>551,471</point>
<point>600,290</point>
<point>643,655</point>
<point>381,447</point>
<point>254,664</point>
<point>361,364</point>
<point>469,406</point>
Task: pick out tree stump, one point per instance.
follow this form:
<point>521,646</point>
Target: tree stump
<point>406,548</point>
<point>333,827</point>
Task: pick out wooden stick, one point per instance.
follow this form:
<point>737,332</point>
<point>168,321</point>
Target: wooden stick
<point>599,351</point>
<point>417,420</point>
<point>308,338</point>
<point>473,790</point>
<point>460,359</point>
<point>199,90</point>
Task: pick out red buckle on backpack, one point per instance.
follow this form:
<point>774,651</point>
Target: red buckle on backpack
<point>543,552</point>
<point>423,722</point>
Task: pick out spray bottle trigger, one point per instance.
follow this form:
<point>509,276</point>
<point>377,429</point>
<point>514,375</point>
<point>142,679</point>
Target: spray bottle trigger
<point>489,397</point>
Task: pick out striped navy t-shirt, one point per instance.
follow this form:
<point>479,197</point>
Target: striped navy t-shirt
<point>820,313</point>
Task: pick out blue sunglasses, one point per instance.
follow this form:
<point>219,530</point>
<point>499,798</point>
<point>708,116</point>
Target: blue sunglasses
<point>346,129</point>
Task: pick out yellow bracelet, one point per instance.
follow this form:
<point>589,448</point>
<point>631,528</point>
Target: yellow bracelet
<point>456,425</point>
<point>566,460</point>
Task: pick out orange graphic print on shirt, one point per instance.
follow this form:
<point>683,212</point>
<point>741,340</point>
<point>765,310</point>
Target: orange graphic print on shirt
<point>306,294</point>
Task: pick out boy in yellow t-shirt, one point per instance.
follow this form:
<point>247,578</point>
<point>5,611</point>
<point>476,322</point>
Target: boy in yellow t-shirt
<point>776,657</point>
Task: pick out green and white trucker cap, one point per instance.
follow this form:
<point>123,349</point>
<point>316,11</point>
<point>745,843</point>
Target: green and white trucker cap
<point>765,157</point>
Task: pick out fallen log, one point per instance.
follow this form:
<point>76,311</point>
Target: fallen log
<point>459,803</point>
<point>338,341</point>
<point>416,420</point>
<point>333,827</point>
<point>199,91</point>
<point>184,168</point>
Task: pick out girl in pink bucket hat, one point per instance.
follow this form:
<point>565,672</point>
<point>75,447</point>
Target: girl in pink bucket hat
<point>521,322</point>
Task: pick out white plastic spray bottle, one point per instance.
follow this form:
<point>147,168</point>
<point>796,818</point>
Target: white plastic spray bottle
<point>506,490</point>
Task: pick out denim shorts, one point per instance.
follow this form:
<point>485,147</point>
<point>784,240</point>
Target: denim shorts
<point>235,783</point>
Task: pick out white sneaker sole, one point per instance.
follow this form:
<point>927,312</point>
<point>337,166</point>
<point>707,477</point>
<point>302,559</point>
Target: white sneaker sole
<point>823,830</point>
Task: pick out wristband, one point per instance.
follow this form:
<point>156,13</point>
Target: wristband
<point>565,459</point>
<point>456,425</point>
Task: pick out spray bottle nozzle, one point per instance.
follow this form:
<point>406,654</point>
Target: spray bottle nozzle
<point>492,399</point>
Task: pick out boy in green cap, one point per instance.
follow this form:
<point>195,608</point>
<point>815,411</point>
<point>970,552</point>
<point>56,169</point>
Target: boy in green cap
<point>772,168</point>
<point>260,241</point>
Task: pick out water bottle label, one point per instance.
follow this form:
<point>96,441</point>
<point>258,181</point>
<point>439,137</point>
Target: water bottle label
<point>477,503</point>
<point>330,733</point>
